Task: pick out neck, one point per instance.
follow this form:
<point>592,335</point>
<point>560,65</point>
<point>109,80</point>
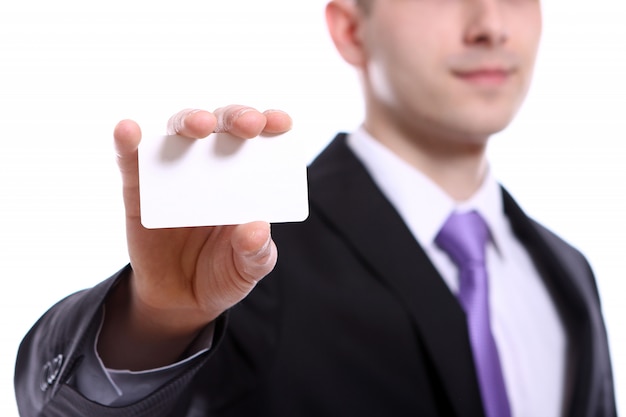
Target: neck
<point>457,166</point>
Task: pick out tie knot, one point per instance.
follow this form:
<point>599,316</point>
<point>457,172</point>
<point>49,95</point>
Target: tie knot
<point>463,237</point>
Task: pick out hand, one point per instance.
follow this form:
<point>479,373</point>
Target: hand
<point>182,278</point>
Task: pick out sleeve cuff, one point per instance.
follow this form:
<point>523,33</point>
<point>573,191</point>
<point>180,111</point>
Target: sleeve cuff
<point>115,387</point>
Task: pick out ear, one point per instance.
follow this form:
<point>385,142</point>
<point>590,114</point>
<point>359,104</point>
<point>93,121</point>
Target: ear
<point>345,25</point>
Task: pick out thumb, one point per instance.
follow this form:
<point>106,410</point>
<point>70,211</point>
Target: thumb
<point>127,136</point>
<point>255,253</point>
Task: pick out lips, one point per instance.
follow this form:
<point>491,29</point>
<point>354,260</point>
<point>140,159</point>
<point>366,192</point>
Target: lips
<point>485,76</point>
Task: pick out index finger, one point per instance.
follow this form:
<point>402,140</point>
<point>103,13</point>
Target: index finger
<point>277,121</point>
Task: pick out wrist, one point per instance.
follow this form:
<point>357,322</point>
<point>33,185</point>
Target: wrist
<point>137,336</point>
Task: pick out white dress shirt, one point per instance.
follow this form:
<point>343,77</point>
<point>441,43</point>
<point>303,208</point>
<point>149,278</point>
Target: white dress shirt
<point>529,334</point>
<point>528,331</point>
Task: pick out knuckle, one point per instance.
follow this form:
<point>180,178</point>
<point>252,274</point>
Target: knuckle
<point>176,123</point>
<point>228,116</point>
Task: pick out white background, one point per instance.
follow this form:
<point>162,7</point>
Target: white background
<point>70,70</point>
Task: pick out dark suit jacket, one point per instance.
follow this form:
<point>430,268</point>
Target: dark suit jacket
<point>353,321</point>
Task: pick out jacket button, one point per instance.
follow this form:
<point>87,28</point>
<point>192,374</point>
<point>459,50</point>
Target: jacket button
<point>50,372</point>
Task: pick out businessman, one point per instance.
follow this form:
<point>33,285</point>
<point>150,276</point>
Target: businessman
<point>416,287</point>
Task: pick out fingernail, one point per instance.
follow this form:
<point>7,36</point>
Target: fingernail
<point>177,122</point>
<point>242,112</point>
<point>275,111</point>
<point>225,124</point>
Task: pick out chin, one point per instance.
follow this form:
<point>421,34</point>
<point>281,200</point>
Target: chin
<point>482,127</point>
<point>473,134</point>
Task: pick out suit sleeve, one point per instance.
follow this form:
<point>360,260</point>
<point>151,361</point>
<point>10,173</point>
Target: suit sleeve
<point>52,352</point>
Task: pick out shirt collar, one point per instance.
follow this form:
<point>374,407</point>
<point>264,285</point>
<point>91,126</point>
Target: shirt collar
<point>421,203</point>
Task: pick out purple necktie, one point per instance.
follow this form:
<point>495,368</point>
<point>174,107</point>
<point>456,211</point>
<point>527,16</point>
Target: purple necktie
<point>464,237</point>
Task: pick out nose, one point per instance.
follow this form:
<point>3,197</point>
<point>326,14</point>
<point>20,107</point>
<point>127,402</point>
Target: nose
<point>485,23</point>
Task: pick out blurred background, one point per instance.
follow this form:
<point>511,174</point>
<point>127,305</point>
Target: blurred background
<point>70,70</point>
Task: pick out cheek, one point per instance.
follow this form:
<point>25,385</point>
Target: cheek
<point>389,61</point>
<point>400,77</point>
<point>407,55</point>
<point>525,25</point>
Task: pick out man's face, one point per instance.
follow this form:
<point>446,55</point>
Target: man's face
<point>448,68</point>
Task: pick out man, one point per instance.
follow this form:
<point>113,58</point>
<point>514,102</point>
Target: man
<point>366,311</point>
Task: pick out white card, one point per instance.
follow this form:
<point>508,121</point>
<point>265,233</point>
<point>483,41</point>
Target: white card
<point>221,180</point>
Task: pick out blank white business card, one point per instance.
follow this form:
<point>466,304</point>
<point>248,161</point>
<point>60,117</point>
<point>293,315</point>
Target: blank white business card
<point>220,180</point>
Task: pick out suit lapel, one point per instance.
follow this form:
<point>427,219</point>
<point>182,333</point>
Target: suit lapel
<point>568,279</point>
<point>343,193</point>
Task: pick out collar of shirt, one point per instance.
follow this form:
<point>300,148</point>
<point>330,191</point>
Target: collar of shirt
<point>421,203</point>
